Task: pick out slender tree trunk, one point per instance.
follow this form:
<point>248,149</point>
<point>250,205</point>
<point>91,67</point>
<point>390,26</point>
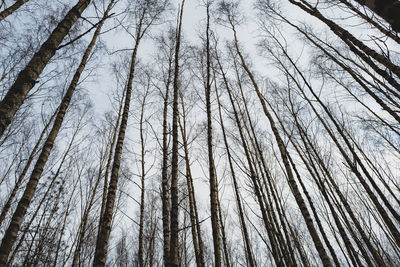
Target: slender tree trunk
<point>197,242</point>
<point>64,225</point>
<point>143,183</point>
<point>149,259</point>
<point>88,208</point>
<point>223,235</point>
<point>197,223</point>
<point>247,243</point>
<point>374,199</point>
<point>164,173</point>
<point>174,219</point>
<point>8,11</point>
<point>21,177</point>
<point>284,155</point>
<point>255,181</point>
<point>211,164</point>
<point>109,161</point>
<point>105,226</point>
<point>27,78</point>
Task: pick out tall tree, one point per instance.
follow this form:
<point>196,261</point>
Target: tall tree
<point>19,214</point>
<point>211,164</point>
<point>305,142</point>
<point>21,177</point>
<point>174,219</point>
<point>27,78</point>
<point>143,171</point>
<point>245,232</point>
<point>167,44</point>
<point>228,10</point>
<point>193,212</point>
<point>11,9</point>
<point>147,13</point>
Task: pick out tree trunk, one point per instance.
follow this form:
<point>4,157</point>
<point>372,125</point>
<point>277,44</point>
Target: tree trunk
<point>211,164</point>
<point>174,219</point>
<point>27,78</point>
<point>105,226</point>
<point>223,235</point>
<point>19,214</point>
<point>196,234</point>
<point>255,181</point>
<point>284,155</point>
<point>8,11</point>
<point>109,161</point>
<point>247,243</point>
<point>164,173</point>
<point>143,177</point>
<point>64,223</point>
<point>21,177</point>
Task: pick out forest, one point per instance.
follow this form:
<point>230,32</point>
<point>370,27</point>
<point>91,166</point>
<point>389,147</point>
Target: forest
<point>200,133</point>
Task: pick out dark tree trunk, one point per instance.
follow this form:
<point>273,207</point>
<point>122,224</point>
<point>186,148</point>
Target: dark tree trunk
<point>389,10</point>
<point>11,9</point>
<point>174,219</point>
<point>211,164</point>
<point>27,78</point>
<point>105,227</point>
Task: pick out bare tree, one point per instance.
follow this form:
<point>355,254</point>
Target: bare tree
<point>174,219</point>
<point>27,78</point>
<point>19,214</point>
<point>147,13</point>
<point>211,164</point>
